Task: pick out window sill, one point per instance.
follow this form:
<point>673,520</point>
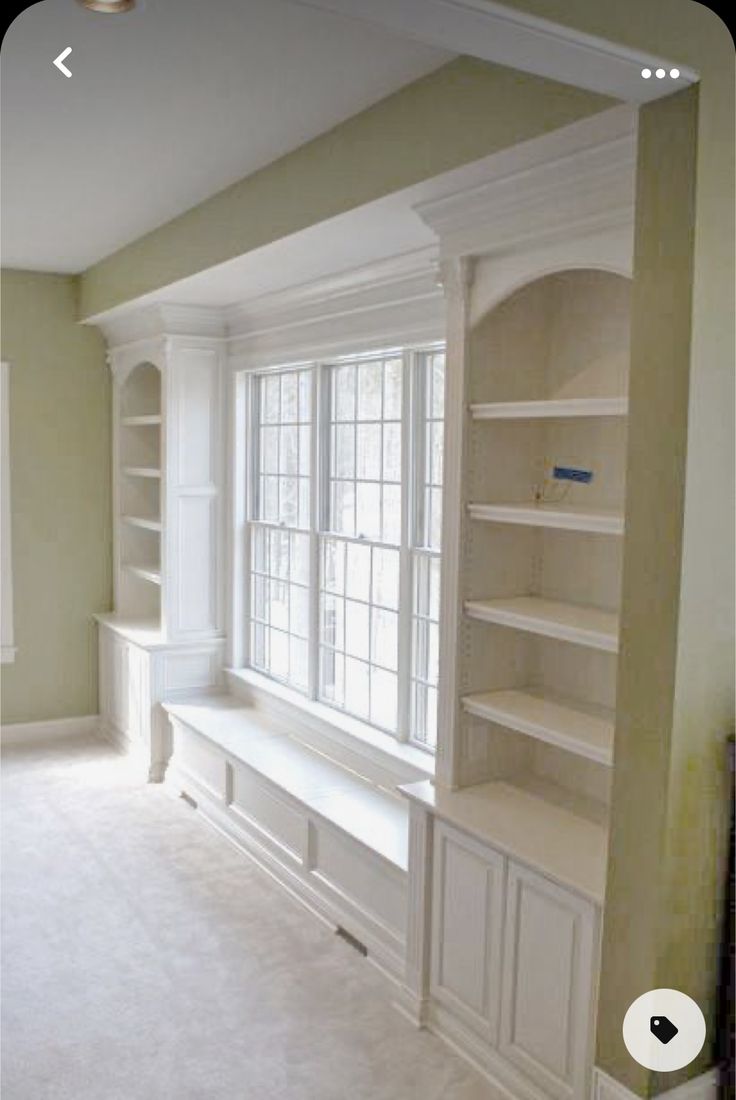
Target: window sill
<point>356,737</point>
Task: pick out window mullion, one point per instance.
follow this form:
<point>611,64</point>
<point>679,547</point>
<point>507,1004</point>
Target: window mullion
<point>247,504</point>
<point>317,473</point>
<point>405,564</point>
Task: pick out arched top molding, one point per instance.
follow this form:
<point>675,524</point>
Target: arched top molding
<point>496,278</point>
<point>125,359</point>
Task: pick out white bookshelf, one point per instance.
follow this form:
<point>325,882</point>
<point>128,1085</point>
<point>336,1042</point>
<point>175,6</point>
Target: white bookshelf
<point>587,732</point>
<point>567,622</point>
<point>142,471</point>
<point>545,382</point>
<point>165,635</point>
<point>139,494</point>
<point>555,516</point>
<point>559,408</point>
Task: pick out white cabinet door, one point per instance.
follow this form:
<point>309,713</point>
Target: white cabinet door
<point>549,985</point>
<point>467,928</point>
<point>118,683</point>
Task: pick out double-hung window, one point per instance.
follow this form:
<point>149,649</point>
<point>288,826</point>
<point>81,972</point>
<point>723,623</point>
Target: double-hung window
<point>344,534</point>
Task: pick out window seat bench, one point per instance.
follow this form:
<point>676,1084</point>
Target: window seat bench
<point>331,836</point>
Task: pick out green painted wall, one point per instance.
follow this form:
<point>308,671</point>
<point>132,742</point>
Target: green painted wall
<point>60,493</point>
<point>459,113</point>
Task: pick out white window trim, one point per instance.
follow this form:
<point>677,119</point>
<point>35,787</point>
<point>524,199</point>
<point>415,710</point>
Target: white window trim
<point>404,759</point>
<point>390,750</point>
<point>6,576</point>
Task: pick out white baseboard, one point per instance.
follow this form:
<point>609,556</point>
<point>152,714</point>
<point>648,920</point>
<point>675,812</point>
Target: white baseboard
<point>704,1087</point>
<point>52,729</point>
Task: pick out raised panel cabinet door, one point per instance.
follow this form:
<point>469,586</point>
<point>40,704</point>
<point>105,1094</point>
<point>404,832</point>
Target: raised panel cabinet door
<point>549,983</point>
<point>139,696</point>
<point>467,929</point>
<point>118,683</point>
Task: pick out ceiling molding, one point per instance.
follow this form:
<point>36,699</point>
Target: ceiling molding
<point>588,186</point>
<point>395,302</point>
<point>402,276</point>
<point>138,324</point>
<point>515,39</point>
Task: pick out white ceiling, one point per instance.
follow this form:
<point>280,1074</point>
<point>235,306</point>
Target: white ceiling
<point>166,106</point>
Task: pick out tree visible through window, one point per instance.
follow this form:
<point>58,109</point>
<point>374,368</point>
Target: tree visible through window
<point>345,534</point>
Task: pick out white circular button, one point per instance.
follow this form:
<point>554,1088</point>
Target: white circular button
<point>664,1029</point>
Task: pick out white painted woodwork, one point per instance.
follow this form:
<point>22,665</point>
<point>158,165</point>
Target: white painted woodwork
<point>555,516</point>
<point>549,985</point>
<point>559,408</point>
<point>535,822</point>
<point>415,992</point>
<point>165,636</point>
<point>332,837</point>
<point>495,927</point>
<point>521,40</point>
<point>141,471</point>
<point>138,669</point>
<point>586,626</point>
<point>467,914</point>
<point>587,733</point>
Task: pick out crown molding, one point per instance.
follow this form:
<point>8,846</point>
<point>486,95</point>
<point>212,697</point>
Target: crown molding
<point>587,186</point>
<point>134,325</point>
<point>518,40</point>
<point>394,302</point>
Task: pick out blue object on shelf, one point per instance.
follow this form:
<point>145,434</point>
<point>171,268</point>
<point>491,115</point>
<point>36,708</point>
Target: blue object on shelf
<point>571,473</point>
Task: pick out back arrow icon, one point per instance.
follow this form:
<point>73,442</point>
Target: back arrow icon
<point>59,61</point>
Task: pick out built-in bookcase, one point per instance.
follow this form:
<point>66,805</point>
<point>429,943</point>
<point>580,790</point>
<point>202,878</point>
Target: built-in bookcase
<point>540,574</point>
<point>139,499</point>
<point>165,635</point>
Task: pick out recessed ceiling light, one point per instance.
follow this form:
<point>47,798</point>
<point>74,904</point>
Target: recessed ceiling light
<point>112,7</point>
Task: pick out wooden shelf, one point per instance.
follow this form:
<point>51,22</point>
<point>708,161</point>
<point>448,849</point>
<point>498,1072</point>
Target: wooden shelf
<point>556,516</point>
<point>587,626</point>
<point>143,522</point>
<point>555,408</point>
<point>146,573</point>
<point>587,732</point>
<point>141,421</point>
<point>142,471</point>
<point>533,821</point>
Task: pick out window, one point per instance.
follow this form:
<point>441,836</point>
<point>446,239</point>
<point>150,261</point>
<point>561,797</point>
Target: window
<point>344,534</point>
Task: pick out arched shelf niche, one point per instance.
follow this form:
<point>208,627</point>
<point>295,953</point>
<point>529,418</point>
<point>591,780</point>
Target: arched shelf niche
<point>546,386</point>
<point>139,492</point>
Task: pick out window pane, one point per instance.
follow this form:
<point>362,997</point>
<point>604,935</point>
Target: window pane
<point>283,431</point>
<point>279,608</point>
<point>358,578</point>
<point>370,385</point>
<point>343,393</point>
<point>360,604</point>
<point>384,698</point>
<point>369,637</point>
<point>357,687</point>
<point>365,449</point>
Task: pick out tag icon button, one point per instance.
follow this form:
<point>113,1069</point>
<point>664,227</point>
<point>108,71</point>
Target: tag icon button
<point>663,1028</point>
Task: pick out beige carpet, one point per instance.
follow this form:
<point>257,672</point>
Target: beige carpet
<point>145,959</point>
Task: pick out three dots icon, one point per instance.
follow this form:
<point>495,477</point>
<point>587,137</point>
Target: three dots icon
<point>660,74</point>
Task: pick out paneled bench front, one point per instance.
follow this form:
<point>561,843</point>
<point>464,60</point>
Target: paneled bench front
<point>335,839</point>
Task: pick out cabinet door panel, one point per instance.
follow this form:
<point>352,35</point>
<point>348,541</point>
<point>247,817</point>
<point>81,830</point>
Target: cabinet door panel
<point>549,983</point>
<point>467,929</point>
<point>119,683</point>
